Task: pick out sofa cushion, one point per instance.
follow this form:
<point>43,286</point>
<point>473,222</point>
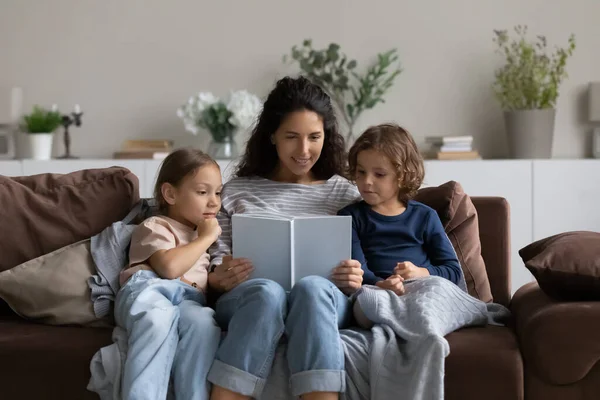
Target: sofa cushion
<point>47,362</point>
<point>484,362</point>
<point>53,288</point>
<point>567,265</point>
<point>459,218</point>
<point>49,211</point>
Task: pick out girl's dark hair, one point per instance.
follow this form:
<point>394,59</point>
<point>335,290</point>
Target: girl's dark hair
<point>399,146</point>
<point>289,95</point>
<point>176,166</point>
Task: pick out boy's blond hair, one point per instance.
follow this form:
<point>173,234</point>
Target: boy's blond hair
<point>398,145</point>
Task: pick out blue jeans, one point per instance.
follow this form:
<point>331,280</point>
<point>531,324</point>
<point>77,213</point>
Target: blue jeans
<point>171,333</point>
<point>257,313</point>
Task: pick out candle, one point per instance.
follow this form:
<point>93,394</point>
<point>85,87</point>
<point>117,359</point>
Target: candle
<point>16,104</point>
<point>77,109</point>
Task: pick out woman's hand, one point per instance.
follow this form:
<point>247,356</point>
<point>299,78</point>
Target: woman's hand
<point>348,276</point>
<point>395,283</point>
<point>230,273</point>
<point>408,270</point>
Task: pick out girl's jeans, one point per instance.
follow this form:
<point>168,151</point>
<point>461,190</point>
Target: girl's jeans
<point>257,313</point>
<point>171,333</point>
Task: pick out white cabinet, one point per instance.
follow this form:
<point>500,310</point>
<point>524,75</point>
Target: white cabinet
<point>11,168</point>
<point>566,196</point>
<point>545,196</point>
<point>511,179</point>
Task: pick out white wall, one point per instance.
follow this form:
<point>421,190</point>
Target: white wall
<point>131,63</point>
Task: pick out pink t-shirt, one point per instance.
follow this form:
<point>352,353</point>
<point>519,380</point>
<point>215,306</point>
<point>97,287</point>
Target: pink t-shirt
<point>163,233</point>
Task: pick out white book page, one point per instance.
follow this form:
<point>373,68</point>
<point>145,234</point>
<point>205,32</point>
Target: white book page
<point>267,243</point>
<point>320,243</point>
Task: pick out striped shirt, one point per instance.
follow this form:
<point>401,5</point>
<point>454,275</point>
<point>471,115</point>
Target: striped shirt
<point>263,197</point>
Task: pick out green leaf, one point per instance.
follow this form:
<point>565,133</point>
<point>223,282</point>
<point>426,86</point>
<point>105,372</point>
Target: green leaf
<point>351,64</point>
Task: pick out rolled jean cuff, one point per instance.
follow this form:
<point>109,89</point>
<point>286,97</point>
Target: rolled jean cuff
<point>236,380</point>
<point>323,380</point>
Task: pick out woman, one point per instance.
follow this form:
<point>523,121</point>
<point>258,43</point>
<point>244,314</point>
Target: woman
<point>292,166</point>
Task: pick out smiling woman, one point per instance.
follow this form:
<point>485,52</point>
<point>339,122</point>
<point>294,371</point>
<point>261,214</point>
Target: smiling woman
<point>292,167</point>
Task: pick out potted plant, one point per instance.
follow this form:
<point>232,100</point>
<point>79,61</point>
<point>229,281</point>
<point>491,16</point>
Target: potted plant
<point>40,126</point>
<point>527,86</point>
<point>352,92</point>
<point>221,118</point>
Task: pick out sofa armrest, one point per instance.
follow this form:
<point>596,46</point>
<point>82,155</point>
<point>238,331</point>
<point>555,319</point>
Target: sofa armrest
<point>494,233</point>
<point>559,340</point>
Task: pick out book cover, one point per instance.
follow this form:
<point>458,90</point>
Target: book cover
<point>287,250</point>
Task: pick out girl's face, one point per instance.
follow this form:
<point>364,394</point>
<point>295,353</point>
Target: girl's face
<point>376,179</point>
<point>299,142</point>
<point>197,197</point>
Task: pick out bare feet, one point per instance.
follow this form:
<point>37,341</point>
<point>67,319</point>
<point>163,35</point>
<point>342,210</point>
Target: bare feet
<point>321,396</point>
<point>219,393</point>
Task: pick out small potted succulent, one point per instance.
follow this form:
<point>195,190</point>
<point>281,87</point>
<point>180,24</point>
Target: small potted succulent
<point>39,126</point>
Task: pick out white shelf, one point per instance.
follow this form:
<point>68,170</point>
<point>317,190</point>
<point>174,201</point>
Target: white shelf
<point>546,196</point>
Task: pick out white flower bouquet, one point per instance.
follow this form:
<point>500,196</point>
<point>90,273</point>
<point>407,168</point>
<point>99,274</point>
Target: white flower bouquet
<point>222,118</point>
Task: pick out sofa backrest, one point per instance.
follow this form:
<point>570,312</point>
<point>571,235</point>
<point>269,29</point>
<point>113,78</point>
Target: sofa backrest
<point>494,233</point>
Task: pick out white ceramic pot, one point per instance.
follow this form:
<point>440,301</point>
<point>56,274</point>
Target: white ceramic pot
<point>40,145</point>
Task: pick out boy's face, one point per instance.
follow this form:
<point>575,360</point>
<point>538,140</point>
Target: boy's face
<point>376,178</point>
<point>198,196</point>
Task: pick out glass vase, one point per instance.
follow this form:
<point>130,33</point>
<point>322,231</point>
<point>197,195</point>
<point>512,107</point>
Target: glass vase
<point>225,149</point>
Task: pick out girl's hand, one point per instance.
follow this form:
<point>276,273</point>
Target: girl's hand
<point>230,273</point>
<point>209,228</point>
<point>395,283</point>
<point>408,270</point>
<point>348,276</point>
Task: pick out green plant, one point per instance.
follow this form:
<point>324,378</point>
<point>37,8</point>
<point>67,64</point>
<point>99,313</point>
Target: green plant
<point>531,76</point>
<point>41,121</point>
<point>352,92</point>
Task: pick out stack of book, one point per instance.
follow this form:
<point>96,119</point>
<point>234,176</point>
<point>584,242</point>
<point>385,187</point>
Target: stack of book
<point>145,149</point>
<point>453,148</point>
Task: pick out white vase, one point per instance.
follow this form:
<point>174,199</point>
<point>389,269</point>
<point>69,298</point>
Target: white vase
<point>40,145</point>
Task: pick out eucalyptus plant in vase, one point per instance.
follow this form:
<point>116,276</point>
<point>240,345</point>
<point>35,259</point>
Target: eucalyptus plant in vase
<point>352,92</point>
<point>221,118</point>
<point>527,86</point>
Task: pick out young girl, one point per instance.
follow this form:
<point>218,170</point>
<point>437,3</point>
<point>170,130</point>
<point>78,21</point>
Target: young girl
<point>394,238</point>
<point>161,302</point>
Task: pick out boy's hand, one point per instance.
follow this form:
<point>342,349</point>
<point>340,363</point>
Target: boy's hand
<point>209,228</point>
<point>395,283</point>
<point>230,273</point>
<point>408,270</point>
<point>348,276</point>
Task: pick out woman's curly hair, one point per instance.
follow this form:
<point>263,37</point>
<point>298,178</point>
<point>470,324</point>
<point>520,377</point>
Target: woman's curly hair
<point>289,95</point>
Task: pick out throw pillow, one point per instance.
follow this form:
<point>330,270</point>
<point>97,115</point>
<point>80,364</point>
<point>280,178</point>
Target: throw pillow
<point>43,213</point>
<point>567,265</point>
<point>459,218</point>
<point>53,289</point>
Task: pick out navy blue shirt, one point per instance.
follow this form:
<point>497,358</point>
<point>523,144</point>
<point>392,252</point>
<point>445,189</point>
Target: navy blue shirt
<point>379,242</point>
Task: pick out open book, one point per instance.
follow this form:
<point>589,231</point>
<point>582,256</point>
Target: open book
<point>287,250</point>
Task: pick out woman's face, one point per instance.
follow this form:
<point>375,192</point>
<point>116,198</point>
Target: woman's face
<point>299,142</point>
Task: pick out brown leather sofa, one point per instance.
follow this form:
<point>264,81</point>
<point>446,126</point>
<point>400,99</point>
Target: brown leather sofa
<point>560,342</point>
<point>50,362</point>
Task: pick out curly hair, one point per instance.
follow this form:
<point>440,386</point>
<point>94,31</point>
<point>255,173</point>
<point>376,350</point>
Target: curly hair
<point>176,166</point>
<point>400,148</point>
<point>290,95</point>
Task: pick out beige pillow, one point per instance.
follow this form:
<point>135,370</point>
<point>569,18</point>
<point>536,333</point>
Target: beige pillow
<point>52,289</point>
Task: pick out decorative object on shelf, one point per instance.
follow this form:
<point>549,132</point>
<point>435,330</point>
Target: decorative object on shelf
<point>40,126</point>
<point>67,121</point>
<point>156,149</point>
<point>222,118</point>
<point>452,148</point>
<point>9,125</point>
<point>527,86</point>
<point>594,116</point>
<point>352,92</point>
